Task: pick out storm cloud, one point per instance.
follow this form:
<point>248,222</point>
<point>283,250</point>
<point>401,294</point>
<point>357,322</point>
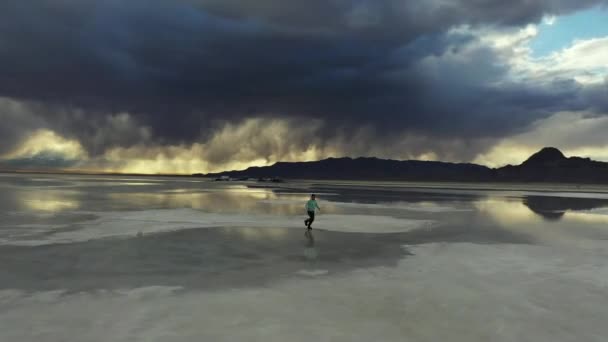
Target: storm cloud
<point>126,74</point>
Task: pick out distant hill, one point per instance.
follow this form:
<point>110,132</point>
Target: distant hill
<point>367,169</point>
<point>550,165</point>
<point>547,165</point>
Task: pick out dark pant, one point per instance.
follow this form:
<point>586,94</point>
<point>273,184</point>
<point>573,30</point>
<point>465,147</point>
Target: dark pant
<point>311,218</point>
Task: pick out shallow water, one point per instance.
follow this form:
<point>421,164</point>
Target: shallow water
<point>98,258</point>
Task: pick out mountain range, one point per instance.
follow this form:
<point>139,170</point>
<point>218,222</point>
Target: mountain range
<point>547,165</point>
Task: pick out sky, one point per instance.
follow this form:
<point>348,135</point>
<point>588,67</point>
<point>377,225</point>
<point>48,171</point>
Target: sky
<point>188,86</point>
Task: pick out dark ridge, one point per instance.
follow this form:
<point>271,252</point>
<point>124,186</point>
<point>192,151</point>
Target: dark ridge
<point>548,165</point>
<point>546,156</point>
<point>366,168</point>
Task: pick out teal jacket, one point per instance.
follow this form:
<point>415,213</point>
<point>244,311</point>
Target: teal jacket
<point>312,205</point>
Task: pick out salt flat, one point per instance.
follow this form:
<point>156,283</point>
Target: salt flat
<point>168,259</point>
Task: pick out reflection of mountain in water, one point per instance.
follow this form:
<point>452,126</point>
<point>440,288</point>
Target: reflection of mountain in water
<point>553,208</point>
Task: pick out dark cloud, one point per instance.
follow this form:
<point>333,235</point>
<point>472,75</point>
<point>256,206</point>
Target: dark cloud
<point>597,97</point>
<point>42,160</point>
<point>183,68</point>
<point>389,17</point>
<point>16,121</point>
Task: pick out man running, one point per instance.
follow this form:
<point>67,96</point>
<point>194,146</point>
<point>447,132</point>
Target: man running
<point>311,206</point>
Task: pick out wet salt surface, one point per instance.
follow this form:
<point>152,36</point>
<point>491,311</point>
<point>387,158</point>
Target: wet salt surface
<point>213,258</point>
<point>177,259</point>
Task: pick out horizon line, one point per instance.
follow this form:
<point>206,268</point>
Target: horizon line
<point>113,173</point>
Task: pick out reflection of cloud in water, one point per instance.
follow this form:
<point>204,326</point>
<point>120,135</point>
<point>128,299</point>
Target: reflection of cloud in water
<point>423,206</point>
<point>512,215</point>
<point>586,217</point>
<point>221,201</point>
<point>573,228</point>
<point>131,183</point>
<point>253,234</point>
<point>332,206</point>
<point>48,202</point>
<point>507,211</point>
<point>177,191</point>
<point>134,223</point>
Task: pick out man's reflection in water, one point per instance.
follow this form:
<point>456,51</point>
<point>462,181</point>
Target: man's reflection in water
<point>310,251</point>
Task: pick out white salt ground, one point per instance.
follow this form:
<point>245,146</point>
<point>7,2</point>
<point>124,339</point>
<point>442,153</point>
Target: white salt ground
<point>445,292</point>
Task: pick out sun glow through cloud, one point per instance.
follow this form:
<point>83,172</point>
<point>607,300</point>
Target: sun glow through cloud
<point>46,141</point>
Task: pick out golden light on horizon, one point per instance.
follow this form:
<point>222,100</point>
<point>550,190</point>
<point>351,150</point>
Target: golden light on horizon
<point>262,142</point>
<point>506,152</point>
<point>47,141</point>
<point>254,142</point>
